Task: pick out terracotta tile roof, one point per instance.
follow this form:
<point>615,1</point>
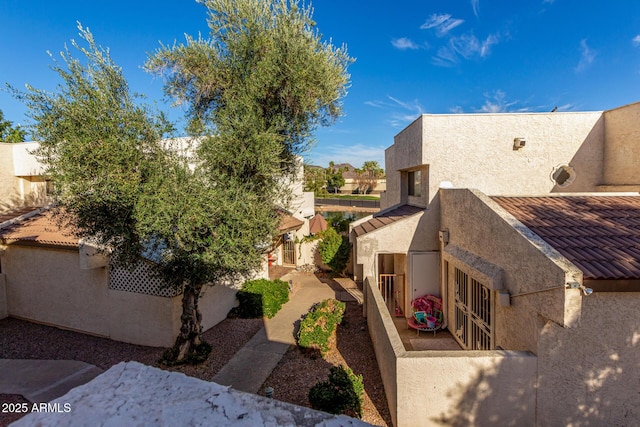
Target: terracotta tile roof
<point>317,224</point>
<point>599,234</point>
<point>39,230</point>
<point>385,218</point>
<point>289,223</point>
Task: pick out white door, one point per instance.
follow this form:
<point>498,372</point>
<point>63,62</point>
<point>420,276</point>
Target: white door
<point>424,274</point>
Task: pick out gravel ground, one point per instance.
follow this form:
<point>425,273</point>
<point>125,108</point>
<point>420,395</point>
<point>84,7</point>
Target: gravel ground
<point>299,370</point>
<point>296,373</point>
<point>25,340</point>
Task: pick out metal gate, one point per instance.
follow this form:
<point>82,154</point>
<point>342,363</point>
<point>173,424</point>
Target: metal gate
<point>288,252</point>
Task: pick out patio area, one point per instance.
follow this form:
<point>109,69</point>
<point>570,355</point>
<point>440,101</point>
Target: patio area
<point>412,341</point>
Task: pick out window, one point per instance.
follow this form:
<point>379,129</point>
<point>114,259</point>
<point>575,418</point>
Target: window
<point>563,175</point>
<point>415,183</point>
<point>473,312</point>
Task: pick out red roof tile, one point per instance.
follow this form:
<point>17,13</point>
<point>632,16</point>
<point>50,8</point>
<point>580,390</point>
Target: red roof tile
<point>599,234</point>
<point>385,218</point>
<point>41,229</point>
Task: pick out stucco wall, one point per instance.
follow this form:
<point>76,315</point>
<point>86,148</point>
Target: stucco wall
<point>590,375</point>
<point>622,150</point>
<point>415,233</point>
<point>476,151</point>
<point>434,388</point>
<point>386,343</point>
<point>9,190</point>
<point>20,181</point>
<point>47,285</point>
<point>479,226</point>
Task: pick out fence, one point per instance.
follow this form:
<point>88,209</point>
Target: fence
<point>373,204</point>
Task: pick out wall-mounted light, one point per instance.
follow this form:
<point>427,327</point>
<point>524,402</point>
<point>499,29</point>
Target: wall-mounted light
<point>443,236</point>
<point>575,285</point>
<point>518,143</point>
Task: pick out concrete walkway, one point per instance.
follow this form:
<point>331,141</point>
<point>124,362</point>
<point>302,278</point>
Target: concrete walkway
<point>45,380</point>
<point>254,362</point>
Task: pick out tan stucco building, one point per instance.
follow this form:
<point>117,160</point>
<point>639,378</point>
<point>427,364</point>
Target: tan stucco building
<point>48,275</point>
<point>540,293</point>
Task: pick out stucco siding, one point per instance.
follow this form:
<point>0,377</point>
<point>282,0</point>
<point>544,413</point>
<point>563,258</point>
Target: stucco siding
<point>434,388</point>
<point>590,375</point>
<point>47,285</point>
<point>479,226</point>
<point>622,151</point>
<point>386,343</point>
<point>476,151</point>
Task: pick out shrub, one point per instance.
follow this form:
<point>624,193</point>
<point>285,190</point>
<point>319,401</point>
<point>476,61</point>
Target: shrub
<point>341,394</point>
<point>318,325</point>
<point>261,297</point>
<point>334,250</point>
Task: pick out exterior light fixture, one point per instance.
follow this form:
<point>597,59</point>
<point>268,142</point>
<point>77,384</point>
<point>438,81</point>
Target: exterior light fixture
<point>518,143</point>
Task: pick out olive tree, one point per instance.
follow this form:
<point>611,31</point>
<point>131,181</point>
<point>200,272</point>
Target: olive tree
<point>255,91</point>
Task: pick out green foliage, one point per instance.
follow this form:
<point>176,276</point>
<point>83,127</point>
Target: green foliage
<point>334,250</point>
<point>318,325</point>
<point>315,180</point>
<point>341,394</point>
<point>261,297</point>
<point>339,222</point>
<point>263,75</point>
<point>335,180</point>
<point>8,133</point>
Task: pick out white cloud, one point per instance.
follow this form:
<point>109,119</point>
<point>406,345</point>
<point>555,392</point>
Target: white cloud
<point>496,103</point>
<point>442,23</point>
<point>636,40</point>
<point>466,46</point>
<point>456,110</point>
<point>475,4</point>
<point>404,43</point>
<point>401,112</point>
<point>587,55</point>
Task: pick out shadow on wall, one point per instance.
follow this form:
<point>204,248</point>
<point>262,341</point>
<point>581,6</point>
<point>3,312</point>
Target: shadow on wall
<point>36,198</point>
<point>481,401</point>
<point>591,375</point>
<point>585,171</point>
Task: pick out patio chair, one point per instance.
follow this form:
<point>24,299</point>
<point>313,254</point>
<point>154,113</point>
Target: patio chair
<point>427,314</point>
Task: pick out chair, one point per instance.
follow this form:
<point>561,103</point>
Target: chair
<point>427,314</point>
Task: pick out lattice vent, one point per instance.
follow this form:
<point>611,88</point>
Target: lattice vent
<point>141,280</point>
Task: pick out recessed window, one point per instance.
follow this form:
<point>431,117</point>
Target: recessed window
<point>415,181</point>
<point>563,175</point>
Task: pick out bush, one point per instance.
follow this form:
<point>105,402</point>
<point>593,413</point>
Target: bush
<point>318,325</point>
<point>261,297</point>
<point>341,394</point>
<point>334,250</point>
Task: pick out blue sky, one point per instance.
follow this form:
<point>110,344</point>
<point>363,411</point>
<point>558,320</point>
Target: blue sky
<point>412,57</point>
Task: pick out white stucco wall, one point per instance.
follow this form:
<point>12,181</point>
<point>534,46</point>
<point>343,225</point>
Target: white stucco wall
<point>479,226</point>
<point>435,388</point>
<point>622,150</point>
<point>48,286</point>
<point>476,151</point>
<point>590,375</point>
<point>20,180</point>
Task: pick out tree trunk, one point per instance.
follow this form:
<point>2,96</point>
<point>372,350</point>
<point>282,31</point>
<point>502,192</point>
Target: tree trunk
<point>188,346</point>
